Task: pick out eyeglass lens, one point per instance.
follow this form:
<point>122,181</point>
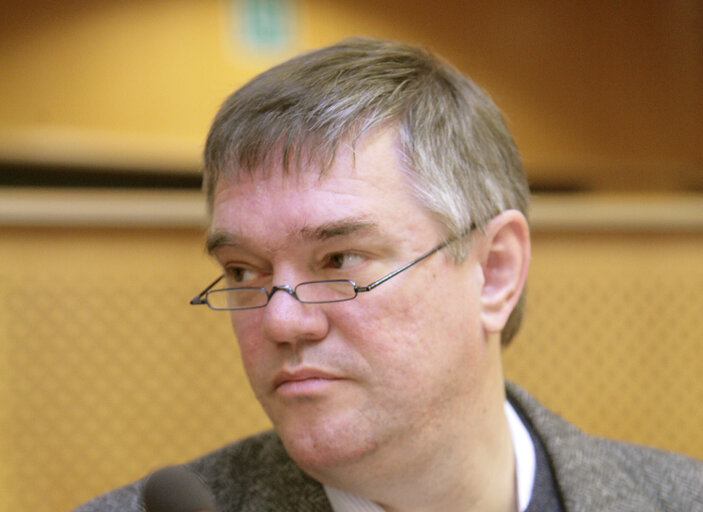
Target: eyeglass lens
<point>312,292</point>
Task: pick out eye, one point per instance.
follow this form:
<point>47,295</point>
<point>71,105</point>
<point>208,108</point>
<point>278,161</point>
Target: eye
<point>240,275</point>
<point>343,260</point>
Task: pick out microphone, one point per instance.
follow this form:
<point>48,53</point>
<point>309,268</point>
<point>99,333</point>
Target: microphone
<point>176,489</point>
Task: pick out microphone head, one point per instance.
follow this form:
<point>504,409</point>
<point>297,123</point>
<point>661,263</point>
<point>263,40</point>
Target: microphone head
<point>176,489</point>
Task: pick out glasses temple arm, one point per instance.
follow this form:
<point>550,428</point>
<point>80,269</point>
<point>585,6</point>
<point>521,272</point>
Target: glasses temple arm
<point>200,298</point>
<point>385,278</point>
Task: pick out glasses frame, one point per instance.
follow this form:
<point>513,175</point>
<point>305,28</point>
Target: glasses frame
<point>201,298</point>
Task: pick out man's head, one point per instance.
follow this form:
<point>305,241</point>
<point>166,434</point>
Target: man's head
<point>460,159</point>
<point>335,168</point>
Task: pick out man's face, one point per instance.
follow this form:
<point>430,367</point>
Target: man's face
<point>381,379</point>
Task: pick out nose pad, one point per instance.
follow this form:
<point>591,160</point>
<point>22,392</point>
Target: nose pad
<point>291,322</point>
<point>286,288</point>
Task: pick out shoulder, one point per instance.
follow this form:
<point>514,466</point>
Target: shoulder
<point>594,473</point>
<point>254,474</point>
<point>257,474</point>
<point>127,499</point>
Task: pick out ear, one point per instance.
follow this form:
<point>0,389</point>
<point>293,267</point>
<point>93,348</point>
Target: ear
<point>504,257</point>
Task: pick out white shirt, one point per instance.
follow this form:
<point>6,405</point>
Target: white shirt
<point>525,468</point>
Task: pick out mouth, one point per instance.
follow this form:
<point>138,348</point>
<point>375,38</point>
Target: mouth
<point>306,381</point>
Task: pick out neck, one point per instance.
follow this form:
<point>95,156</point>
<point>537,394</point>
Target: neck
<point>468,465</point>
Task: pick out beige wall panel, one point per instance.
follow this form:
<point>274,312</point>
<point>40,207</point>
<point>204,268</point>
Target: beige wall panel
<point>613,338</point>
<point>109,373</point>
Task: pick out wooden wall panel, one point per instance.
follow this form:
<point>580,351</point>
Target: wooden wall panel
<point>599,94</point>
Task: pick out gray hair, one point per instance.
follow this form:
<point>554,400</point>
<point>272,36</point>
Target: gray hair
<point>461,159</point>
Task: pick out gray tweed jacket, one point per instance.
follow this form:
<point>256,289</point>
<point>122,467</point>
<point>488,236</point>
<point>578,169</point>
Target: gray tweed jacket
<point>593,474</point>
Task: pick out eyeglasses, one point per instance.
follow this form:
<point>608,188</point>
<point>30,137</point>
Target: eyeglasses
<point>310,292</point>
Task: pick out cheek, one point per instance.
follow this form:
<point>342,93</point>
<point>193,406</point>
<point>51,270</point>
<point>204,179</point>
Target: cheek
<point>252,349</point>
<point>424,335</point>
<point>394,338</point>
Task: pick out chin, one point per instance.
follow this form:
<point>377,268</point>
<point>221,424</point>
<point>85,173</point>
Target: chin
<point>322,446</point>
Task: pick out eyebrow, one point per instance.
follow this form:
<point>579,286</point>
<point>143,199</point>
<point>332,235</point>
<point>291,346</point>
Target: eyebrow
<point>217,239</point>
<point>325,231</point>
<point>340,228</point>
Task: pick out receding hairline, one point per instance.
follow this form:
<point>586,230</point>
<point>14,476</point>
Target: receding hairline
<point>309,160</point>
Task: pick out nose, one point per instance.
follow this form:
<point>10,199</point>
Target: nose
<point>287,320</point>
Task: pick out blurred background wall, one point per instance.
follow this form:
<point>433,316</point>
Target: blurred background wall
<point>106,373</point>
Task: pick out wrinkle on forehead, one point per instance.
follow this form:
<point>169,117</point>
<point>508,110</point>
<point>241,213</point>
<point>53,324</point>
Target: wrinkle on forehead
<point>352,178</point>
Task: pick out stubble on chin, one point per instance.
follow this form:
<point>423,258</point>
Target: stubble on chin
<point>325,446</point>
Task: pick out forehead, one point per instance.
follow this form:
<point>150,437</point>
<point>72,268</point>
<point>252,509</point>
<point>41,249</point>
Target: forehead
<point>365,185</point>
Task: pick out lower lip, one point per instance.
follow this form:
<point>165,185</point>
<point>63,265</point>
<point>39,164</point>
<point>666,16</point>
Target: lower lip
<point>305,387</point>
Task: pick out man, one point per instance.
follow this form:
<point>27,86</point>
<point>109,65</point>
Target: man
<point>368,209</point>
